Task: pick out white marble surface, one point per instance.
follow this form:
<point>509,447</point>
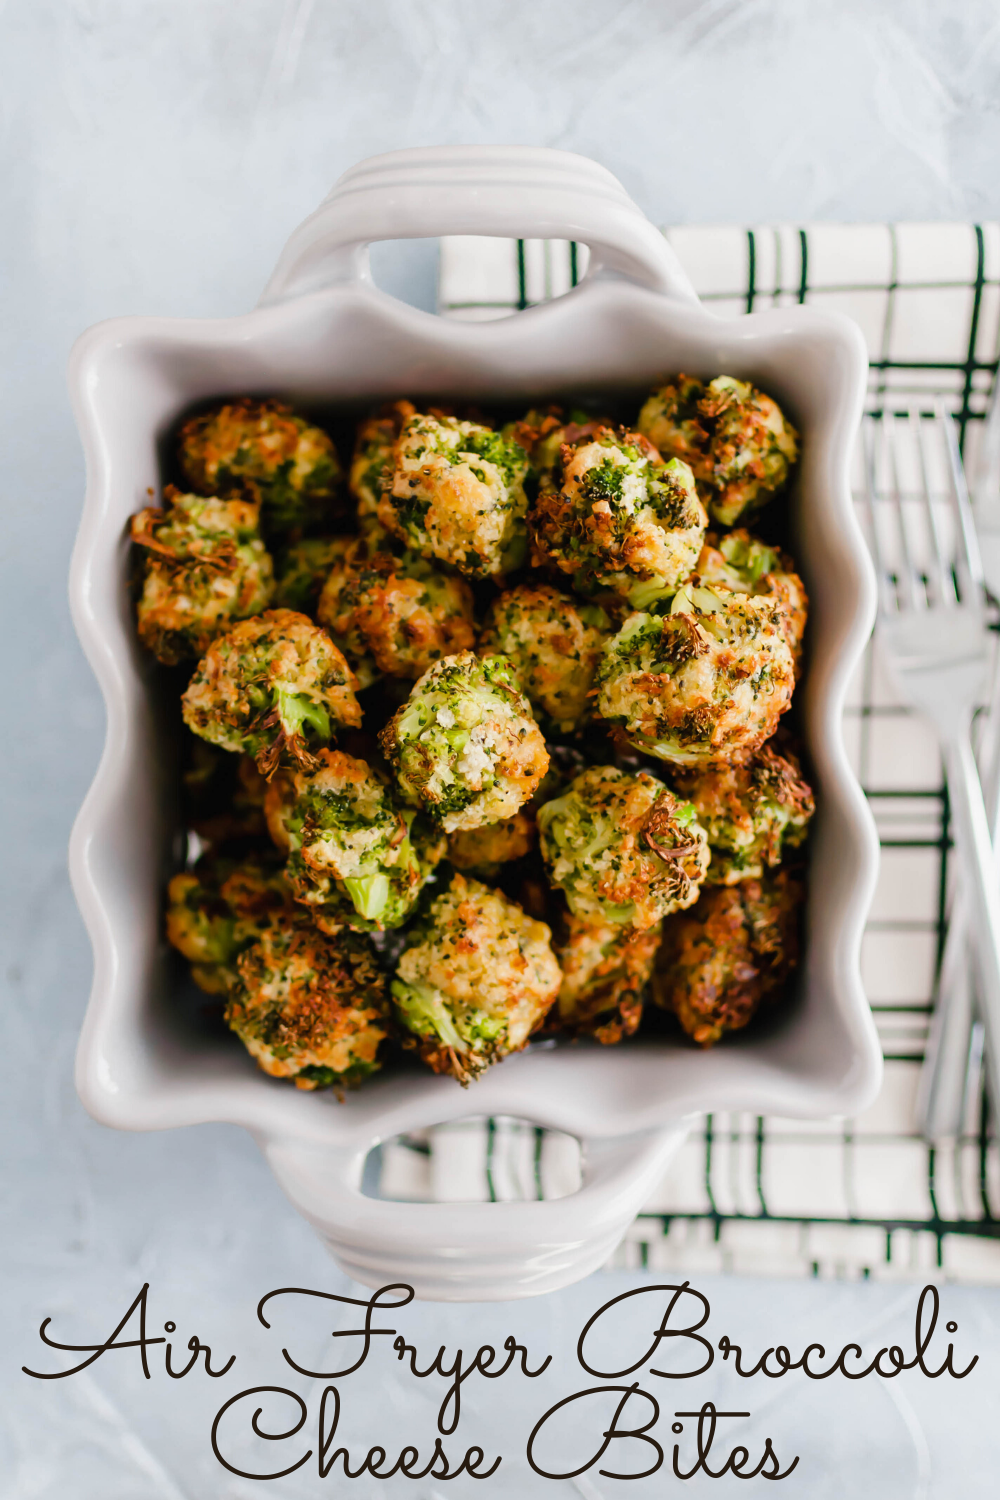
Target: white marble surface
<point>155,154</point>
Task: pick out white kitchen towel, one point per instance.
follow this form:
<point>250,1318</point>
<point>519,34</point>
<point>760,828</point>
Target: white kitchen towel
<point>862,1197</point>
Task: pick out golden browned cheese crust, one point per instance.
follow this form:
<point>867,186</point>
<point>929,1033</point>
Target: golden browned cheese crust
<point>606,968</point>
<point>555,643</point>
<point>309,1006</point>
<point>622,848</point>
<point>264,449</point>
<point>401,614</point>
<point>699,687</point>
<point>268,686</point>
<point>483,850</point>
<point>479,977</point>
<point>776,580</point>
<point>732,950</point>
<point>205,567</point>
<point>751,810</point>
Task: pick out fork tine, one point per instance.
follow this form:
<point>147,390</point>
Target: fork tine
<point>987,468</point>
<point>887,595</point>
<point>909,582</point>
<point>941,575</point>
<point>968,564</point>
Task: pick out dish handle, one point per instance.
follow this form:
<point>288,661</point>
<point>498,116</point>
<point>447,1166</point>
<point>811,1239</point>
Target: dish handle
<point>507,191</point>
<point>474,1252</point>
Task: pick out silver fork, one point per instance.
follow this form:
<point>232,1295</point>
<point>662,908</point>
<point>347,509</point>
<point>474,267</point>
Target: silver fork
<point>933,630</point>
<point>951,1077</point>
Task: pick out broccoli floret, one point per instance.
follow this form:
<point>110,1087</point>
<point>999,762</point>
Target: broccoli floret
<point>606,968</point>
<point>304,568</point>
<point>555,644</point>
<point>741,564</point>
<point>371,466</point>
<point>751,811</point>
<point>217,909</point>
<point>737,441</point>
<point>395,614</point>
<point>732,950</point>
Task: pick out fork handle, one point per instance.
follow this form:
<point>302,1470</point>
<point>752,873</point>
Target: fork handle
<point>942,1093</point>
<point>978,864</point>
<point>945,1075</point>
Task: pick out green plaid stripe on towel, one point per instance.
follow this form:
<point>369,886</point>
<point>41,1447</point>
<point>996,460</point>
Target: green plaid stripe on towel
<point>863,1197</point>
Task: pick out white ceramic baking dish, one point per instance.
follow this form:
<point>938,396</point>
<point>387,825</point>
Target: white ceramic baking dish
<point>324,333</point>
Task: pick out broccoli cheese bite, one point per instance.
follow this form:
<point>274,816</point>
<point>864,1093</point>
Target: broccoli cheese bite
<point>205,567</point>
<point>337,618</point>
<point>484,851</point>
<point>705,683</point>
<point>672,421</point>
<point>752,811</point>
<point>555,644</point>
<point>464,745</point>
<point>371,465</point>
<point>606,968</point>
<point>303,569</point>
<point>617,517</point>
<point>358,858</point>
<point>741,564</point>
<point>477,977</point>
<point>309,1007</point>
<point>622,848</point>
<point>218,909</point>
<point>271,686</point>
<point>738,442</point>
<point>264,449</point>
<point>719,960</point>
<point>456,492</point>
<point>542,434</point>
<point>395,615</point>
